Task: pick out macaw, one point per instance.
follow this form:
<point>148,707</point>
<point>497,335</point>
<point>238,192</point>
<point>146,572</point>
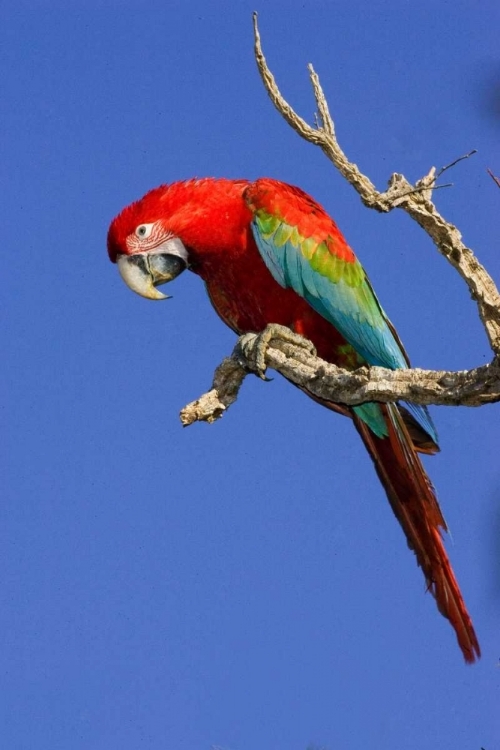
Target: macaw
<point>270,254</point>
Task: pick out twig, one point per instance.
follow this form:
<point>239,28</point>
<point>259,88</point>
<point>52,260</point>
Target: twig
<point>495,179</point>
<point>453,163</point>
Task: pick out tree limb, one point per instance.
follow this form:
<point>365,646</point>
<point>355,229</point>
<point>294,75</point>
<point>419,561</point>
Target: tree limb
<point>324,380</point>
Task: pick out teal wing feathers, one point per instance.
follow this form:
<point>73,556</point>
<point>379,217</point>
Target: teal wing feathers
<point>304,250</point>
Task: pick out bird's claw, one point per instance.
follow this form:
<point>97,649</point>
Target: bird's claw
<point>260,344</point>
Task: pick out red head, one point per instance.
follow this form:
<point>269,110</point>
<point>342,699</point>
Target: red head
<point>156,238</point>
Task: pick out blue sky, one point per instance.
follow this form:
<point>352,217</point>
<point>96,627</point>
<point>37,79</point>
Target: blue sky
<point>241,585</point>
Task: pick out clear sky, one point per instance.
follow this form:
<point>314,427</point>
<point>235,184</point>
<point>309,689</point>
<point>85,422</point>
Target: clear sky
<point>243,585</point>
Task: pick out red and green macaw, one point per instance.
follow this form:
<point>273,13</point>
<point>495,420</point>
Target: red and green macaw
<point>268,253</point>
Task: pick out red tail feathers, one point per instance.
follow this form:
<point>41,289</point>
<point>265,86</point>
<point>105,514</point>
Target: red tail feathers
<point>415,505</point>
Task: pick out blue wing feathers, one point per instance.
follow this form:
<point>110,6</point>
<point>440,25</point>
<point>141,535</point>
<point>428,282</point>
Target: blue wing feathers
<point>352,309</point>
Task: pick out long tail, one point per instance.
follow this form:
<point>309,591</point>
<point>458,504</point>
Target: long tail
<point>415,505</point>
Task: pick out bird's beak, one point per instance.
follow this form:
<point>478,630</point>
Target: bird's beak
<point>143,272</point>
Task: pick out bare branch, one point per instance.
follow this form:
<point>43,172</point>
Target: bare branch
<point>452,164</point>
<point>493,177</point>
<point>211,406</point>
<point>416,199</point>
<point>326,381</point>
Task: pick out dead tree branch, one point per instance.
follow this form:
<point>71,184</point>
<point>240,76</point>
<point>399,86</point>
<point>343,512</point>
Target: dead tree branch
<point>326,381</point>
<point>466,388</point>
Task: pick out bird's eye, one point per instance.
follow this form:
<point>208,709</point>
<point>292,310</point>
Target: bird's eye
<point>143,231</point>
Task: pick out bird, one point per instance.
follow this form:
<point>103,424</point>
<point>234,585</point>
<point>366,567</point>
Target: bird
<point>269,254</point>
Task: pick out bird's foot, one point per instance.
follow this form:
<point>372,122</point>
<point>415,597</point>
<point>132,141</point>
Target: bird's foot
<point>255,346</point>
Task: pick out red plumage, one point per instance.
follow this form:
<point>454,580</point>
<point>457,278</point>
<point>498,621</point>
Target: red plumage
<point>213,219</point>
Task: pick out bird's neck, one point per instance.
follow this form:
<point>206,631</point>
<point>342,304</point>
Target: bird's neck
<point>211,218</point>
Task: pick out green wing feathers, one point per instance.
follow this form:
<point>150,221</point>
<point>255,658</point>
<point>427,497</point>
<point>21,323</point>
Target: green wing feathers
<point>304,249</point>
